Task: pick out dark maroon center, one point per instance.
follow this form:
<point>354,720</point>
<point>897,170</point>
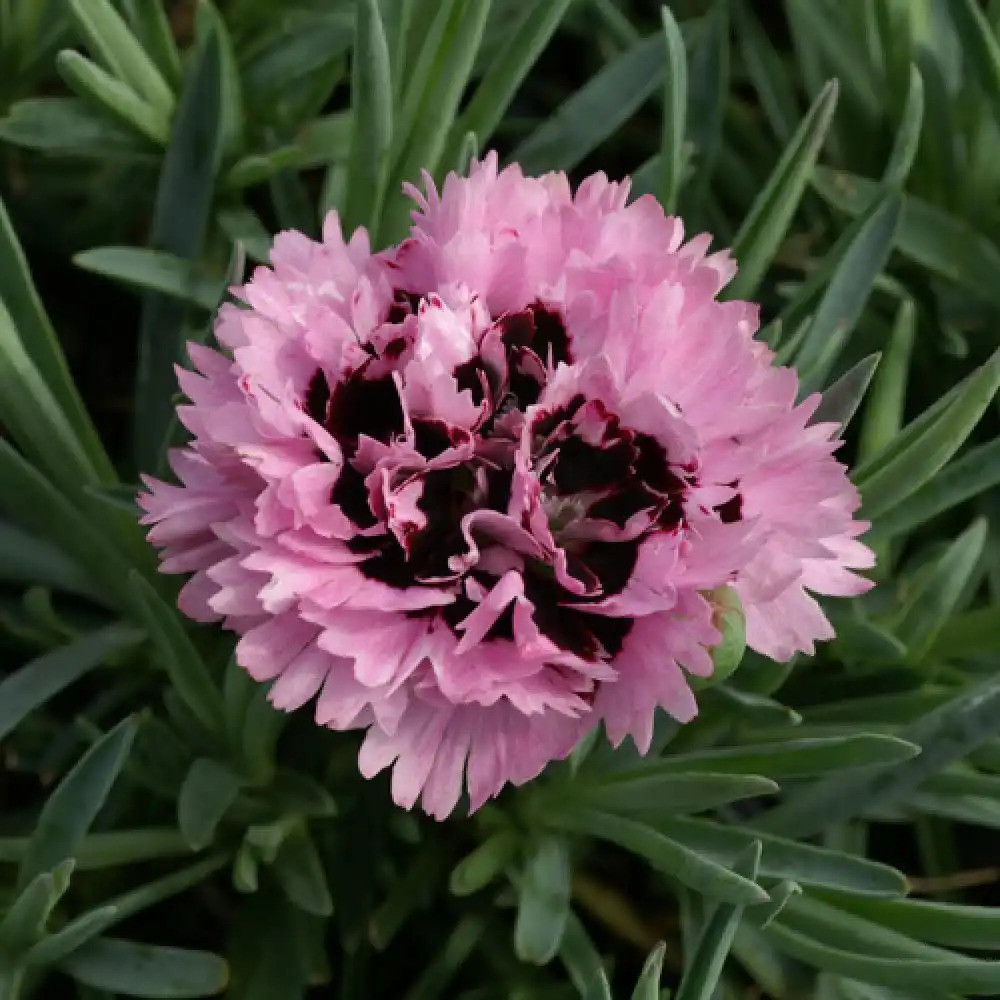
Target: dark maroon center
<point>592,469</point>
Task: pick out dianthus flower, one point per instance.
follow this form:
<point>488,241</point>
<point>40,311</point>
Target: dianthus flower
<point>475,491</point>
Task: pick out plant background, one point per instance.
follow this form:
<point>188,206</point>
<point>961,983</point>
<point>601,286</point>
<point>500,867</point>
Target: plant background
<point>164,833</point>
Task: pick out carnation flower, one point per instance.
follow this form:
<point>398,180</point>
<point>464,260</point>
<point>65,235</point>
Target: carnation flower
<point>474,493</point>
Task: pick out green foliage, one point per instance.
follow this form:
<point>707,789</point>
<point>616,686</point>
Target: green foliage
<point>817,830</point>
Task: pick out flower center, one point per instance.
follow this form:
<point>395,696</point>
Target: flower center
<point>564,495</point>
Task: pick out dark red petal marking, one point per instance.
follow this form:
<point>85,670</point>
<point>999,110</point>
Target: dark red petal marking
<point>551,336</point>
<point>472,375</point>
<point>731,510</point>
<point>318,397</point>
<point>403,304</point>
<point>431,437</point>
<point>351,495</point>
<point>581,466</point>
<point>359,406</point>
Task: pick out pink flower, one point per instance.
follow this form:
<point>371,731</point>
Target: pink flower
<point>472,493</point>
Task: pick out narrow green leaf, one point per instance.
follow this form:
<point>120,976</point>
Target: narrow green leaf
<point>826,46</point>
<point>842,399</point>
<point>614,23</point>
<point>781,895</point>
<point>422,46</point>
<point>60,945</point>
<point>108,36</point>
<point>980,48</point>
<point>433,95</point>
<point>927,443</point>
<point>467,153</point>
<point>25,559</point>
<point>933,602</point>
<point>33,417</point>
<point>300,873</point>
<point>325,139</point>
<point>675,99</point>
<point>972,810</point>
<point>30,499</point>
<point>971,927</point>
<point>262,726</point>
<point>756,709</point>
<point>543,901</point>
<point>973,634</point>
<point>787,859</point>
<point>110,850</point>
<point>645,178</point>
<point>884,409</point>
<point>34,684</point>
<point>486,862</point>
<point>397,17</point>
<point>837,928</point>
<point>371,120</point>
<point>238,688</point>
<point>246,867</point>
<point>333,191</point>
<point>69,125</point>
<point>25,920</point>
<point>882,709</point>
<point>277,952</point>
<point>600,988</point>
<point>945,974</point>
<point>507,71</point>
<point>308,48</point>
<point>209,789</point>
<point>650,789</point>
<point>689,866</point>
<point>89,81</point>
<point>55,947</point>
<point>74,804</point>
<point>648,986</point>
<point>709,70</point>
<point>851,989</point>
<point>442,969</point>
<point>767,71</point>
<point>18,293</point>
<point>210,29</point>
<point>928,235</point>
<point>151,270</point>
<point>895,21</point>
<point>791,758</point>
<point>582,961</point>
<point>255,168</point>
<point>583,750</point>
<point>180,219</point>
<point>773,971</point>
<point>702,974</point>
<point>977,471</point>
<point>772,212</point>
<point>243,226</point>
<point>145,970</point>
<point>841,306</point>
<point>179,656</point>
<point>861,642</point>
<point>963,781</point>
<point>904,149</point>
<point>596,111</point>
<point>152,27</point>
<point>945,734</point>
